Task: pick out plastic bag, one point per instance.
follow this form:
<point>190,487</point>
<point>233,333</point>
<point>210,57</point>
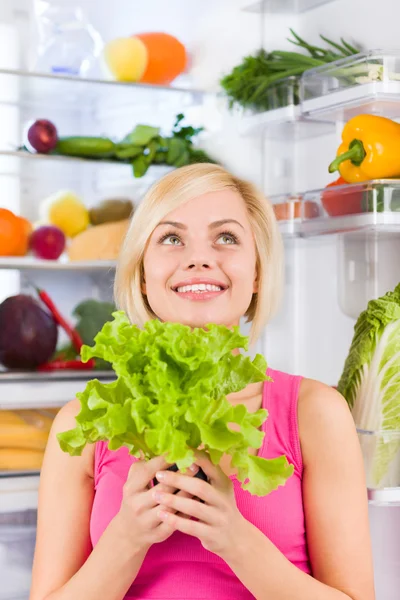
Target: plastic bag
<point>68,43</point>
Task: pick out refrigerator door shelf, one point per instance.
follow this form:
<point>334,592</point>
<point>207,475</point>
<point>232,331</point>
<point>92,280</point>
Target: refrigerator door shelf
<point>367,82</point>
<point>372,205</point>
<point>282,118</point>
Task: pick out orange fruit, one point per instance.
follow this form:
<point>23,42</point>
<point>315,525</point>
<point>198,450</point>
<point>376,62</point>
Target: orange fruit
<point>167,57</point>
<point>26,230</point>
<point>14,234</point>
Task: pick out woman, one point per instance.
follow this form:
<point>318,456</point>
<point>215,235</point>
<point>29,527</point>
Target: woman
<point>204,247</point>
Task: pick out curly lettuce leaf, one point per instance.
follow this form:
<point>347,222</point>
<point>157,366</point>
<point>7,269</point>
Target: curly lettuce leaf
<point>169,398</point>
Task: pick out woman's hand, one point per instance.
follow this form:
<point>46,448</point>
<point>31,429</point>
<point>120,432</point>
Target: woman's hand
<point>219,525</point>
<point>138,518</point>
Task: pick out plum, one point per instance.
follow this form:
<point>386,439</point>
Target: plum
<point>47,242</point>
<point>42,136</point>
<point>28,334</point>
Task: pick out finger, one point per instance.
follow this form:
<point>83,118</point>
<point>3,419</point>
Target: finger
<point>142,472</point>
<point>187,506</point>
<point>214,472</point>
<point>188,526</point>
<point>191,485</point>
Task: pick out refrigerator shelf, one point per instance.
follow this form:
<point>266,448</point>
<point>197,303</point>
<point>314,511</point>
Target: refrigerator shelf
<point>368,82</point>
<point>282,116</point>
<point>372,205</point>
<point>30,263</point>
<point>45,390</point>
<point>37,156</point>
<point>27,88</point>
<point>381,454</point>
<point>385,497</point>
<point>280,123</point>
<point>284,6</point>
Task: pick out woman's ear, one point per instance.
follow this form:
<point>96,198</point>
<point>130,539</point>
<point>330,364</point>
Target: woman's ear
<point>255,284</point>
<point>143,284</point>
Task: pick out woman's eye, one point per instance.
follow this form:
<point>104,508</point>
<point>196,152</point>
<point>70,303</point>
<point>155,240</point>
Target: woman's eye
<point>227,238</point>
<point>170,240</point>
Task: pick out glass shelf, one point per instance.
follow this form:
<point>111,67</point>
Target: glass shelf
<point>27,88</point>
<point>44,390</point>
<point>30,263</point>
<point>372,205</point>
<point>25,155</point>
<point>364,83</point>
<point>284,6</point>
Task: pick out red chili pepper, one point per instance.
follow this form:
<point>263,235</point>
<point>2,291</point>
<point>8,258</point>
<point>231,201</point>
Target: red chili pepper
<point>70,331</point>
<point>75,365</point>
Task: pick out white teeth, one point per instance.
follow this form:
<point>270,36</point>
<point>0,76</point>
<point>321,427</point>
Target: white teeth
<point>199,288</point>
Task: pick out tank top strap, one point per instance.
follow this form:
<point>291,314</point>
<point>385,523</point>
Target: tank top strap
<point>282,430</point>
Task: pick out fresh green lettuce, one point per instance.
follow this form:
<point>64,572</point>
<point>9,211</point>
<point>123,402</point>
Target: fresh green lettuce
<point>170,398</point>
<point>371,378</point>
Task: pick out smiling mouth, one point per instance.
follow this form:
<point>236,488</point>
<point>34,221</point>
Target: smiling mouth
<point>199,288</point>
<point>199,291</point>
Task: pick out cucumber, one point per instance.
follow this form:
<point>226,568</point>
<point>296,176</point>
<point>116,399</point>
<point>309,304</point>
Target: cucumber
<point>87,147</point>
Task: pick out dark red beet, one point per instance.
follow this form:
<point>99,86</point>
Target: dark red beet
<point>47,242</point>
<point>28,334</point>
<point>42,136</point>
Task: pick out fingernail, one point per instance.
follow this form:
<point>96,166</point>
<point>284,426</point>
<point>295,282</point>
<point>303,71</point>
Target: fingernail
<point>160,475</point>
<point>158,496</point>
<point>194,468</point>
<point>163,515</point>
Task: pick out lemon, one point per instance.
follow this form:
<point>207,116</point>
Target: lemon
<point>66,211</point>
<point>126,58</point>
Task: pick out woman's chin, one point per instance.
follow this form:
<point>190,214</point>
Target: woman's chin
<point>202,322</point>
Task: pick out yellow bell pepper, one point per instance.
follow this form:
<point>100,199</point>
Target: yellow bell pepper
<point>370,149</point>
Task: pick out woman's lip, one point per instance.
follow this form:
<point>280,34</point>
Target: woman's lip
<point>199,296</point>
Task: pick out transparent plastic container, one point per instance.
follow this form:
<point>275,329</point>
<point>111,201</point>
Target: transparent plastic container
<point>381,454</point>
<point>284,6</point>
<point>367,82</point>
<point>289,209</point>
<point>372,205</point>
<point>281,118</point>
<point>17,543</point>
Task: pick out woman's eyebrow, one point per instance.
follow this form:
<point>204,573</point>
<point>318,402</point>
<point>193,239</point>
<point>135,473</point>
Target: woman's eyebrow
<point>213,225</point>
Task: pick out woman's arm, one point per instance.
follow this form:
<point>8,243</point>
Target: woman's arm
<point>336,513</point>
<point>335,504</point>
<point>65,566</point>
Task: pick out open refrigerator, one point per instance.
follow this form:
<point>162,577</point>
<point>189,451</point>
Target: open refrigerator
<point>335,263</point>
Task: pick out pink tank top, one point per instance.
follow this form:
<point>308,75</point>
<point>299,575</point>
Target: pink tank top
<point>180,568</point>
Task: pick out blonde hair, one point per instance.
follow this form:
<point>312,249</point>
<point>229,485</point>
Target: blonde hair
<point>170,192</point>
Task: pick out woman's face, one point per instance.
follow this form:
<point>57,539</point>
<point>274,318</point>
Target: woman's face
<point>200,262</point>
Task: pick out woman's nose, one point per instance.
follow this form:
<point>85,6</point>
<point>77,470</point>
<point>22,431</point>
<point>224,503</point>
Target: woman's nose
<point>200,258</point>
<point>200,264</point>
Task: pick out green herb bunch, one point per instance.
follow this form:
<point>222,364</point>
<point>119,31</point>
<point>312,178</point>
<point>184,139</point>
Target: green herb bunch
<point>249,83</point>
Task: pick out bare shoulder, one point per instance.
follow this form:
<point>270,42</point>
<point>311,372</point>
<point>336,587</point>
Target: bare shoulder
<point>66,415</point>
<point>324,418</point>
<point>65,420</point>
